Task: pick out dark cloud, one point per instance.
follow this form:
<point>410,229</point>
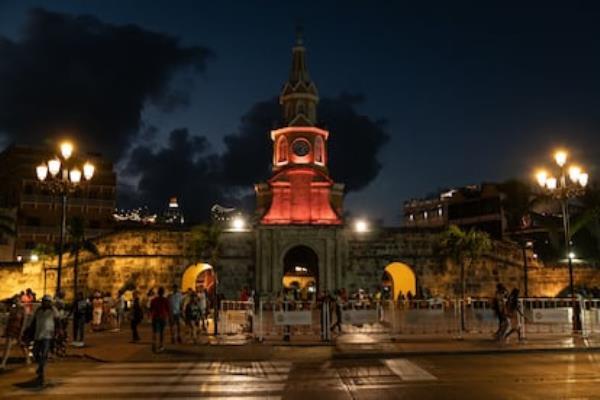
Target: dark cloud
<point>186,169</point>
<point>183,168</point>
<point>88,79</point>
<point>354,143</point>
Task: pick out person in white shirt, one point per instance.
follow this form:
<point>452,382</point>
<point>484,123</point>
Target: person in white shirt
<point>46,320</point>
<point>175,303</point>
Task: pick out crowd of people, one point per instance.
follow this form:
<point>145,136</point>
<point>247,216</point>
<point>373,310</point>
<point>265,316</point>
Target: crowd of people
<point>40,328</point>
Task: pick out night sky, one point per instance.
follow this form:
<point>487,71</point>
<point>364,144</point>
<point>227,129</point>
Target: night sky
<point>418,97</point>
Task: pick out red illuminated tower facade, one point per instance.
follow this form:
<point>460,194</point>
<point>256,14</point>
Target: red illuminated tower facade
<point>300,191</point>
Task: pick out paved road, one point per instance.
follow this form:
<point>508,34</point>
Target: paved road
<point>502,376</point>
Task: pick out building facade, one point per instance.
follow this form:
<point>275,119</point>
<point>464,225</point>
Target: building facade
<point>475,206</point>
<point>38,211</point>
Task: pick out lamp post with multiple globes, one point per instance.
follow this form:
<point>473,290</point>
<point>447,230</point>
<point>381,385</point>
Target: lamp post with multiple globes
<point>569,182</point>
<point>62,176</point>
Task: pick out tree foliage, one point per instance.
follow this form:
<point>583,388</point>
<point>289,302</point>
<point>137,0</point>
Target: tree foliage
<point>205,244</point>
<point>463,248</point>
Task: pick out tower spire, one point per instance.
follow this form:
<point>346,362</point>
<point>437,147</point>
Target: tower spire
<point>299,96</point>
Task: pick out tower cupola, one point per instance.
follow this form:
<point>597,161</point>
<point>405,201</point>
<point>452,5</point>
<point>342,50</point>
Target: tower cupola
<point>299,96</point>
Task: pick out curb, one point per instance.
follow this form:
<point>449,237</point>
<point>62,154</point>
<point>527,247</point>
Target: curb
<point>383,354</point>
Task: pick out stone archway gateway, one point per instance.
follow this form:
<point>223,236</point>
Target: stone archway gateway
<point>301,269</point>
<point>401,278</point>
<point>198,275</point>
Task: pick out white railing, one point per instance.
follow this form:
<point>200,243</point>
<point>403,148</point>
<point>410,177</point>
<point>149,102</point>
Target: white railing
<point>236,317</point>
<point>548,317</point>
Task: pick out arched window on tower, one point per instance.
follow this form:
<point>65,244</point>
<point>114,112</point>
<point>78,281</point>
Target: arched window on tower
<point>300,108</point>
<point>319,151</point>
<point>282,150</point>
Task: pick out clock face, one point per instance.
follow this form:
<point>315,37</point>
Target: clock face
<point>301,147</point>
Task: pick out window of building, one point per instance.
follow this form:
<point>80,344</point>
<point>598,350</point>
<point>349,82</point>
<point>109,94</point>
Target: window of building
<point>319,151</point>
<point>425,214</point>
<point>282,150</point>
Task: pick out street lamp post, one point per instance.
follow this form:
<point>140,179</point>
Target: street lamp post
<point>62,177</point>
<point>571,182</point>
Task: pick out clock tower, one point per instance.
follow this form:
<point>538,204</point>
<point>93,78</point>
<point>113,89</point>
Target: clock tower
<point>300,190</point>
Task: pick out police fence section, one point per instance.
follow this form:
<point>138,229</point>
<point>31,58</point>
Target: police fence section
<point>288,320</point>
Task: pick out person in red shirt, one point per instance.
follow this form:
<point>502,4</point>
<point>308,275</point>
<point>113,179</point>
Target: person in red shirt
<point>245,295</point>
<point>159,312</point>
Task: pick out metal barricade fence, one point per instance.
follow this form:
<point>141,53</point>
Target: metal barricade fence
<point>236,317</point>
<point>426,317</point>
<point>591,317</point>
<point>286,320</point>
<point>548,316</point>
<point>366,316</point>
<point>479,316</point>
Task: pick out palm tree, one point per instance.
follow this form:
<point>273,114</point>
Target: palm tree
<point>464,249</point>
<point>76,244</point>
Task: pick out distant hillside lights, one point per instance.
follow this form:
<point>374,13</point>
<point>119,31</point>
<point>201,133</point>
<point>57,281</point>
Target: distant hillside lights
<point>141,215</point>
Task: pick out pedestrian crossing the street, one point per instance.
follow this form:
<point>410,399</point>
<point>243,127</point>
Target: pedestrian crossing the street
<point>245,380</point>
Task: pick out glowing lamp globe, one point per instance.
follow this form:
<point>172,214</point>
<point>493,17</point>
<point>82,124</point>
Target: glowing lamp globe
<point>41,172</point>
<point>75,175</point>
<point>66,150</point>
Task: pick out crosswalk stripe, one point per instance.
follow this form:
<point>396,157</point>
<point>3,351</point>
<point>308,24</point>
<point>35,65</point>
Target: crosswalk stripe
<point>176,379</point>
<point>201,364</point>
<point>407,370</point>
<point>243,380</point>
<point>167,372</point>
<point>204,388</point>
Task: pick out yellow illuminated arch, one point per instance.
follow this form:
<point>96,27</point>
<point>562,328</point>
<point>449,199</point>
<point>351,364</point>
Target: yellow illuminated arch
<point>403,278</point>
<point>188,280</point>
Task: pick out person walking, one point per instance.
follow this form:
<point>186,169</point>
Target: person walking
<point>499,306</point>
<point>514,314</point>
<point>45,323</point>
<point>175,306</point>
<point>14,328</point>
<point>339,302</point>
<point>193,314</point>
<point>81,312</point>
<point>159,312</point>
<point>97,311</point>
<point>136,316</point>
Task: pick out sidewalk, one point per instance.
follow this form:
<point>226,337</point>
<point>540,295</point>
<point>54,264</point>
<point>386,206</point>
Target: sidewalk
<point>109,346</point>
<point>358,348</point>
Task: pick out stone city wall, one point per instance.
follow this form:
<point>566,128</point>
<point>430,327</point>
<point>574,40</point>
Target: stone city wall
<point>151,258</point>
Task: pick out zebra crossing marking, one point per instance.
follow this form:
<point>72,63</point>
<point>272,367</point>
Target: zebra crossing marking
<point>244,380</point>
<point>407,370</point>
